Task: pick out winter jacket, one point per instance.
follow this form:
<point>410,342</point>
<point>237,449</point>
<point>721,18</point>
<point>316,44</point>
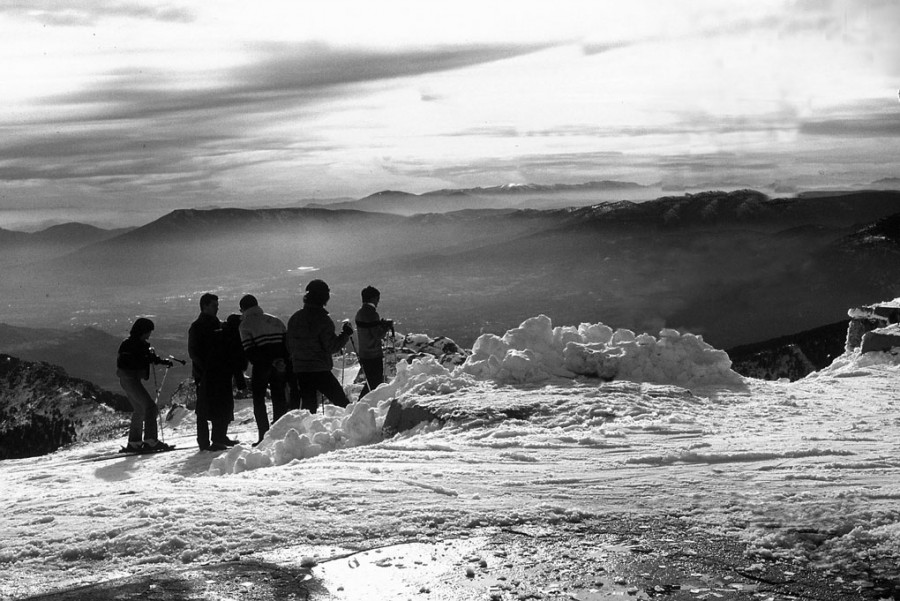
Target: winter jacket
<point>263,337</point>
<point>216,356</point>
<point>201,343</point>
<point>311,339</point>
<point>370,330</point>
<point>135,357</point>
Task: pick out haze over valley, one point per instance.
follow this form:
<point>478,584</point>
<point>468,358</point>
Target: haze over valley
<point>736,267</point>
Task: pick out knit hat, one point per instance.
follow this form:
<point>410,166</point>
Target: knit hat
<point>317,293</point>
<point>318,287</point>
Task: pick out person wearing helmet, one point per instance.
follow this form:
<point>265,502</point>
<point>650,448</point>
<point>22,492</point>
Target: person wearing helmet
<point>312,340</point>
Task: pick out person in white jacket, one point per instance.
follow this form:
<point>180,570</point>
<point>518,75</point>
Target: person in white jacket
<point>263,339</point>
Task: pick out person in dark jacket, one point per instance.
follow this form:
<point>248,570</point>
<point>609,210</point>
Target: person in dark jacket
<point>370,330</point>
<point>133,365</point>
<point>265,345</point>
<point>236,358</point>
<point>312,341</point>
<point>213,370</point>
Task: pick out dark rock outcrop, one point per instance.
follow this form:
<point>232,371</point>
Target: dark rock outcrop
<point>793,357</point>
<point>43,409</point>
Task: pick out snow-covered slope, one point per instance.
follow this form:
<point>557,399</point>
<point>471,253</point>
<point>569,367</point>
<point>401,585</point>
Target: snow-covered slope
<point>805,471</point>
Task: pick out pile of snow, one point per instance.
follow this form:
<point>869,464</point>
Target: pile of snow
<point>301,435</point>
<point>536,351</point>
<point>857,363</point>
<point>533,353</point>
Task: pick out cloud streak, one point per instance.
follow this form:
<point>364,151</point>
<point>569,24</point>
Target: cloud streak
<point>281,76</point>
<point>214,99</point>
<point>876,125</point>
<point>109,129</point>
<point>91,12</point>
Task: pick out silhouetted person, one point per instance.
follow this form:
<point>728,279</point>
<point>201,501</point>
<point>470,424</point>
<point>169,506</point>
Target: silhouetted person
<point>263,337</point>
<point>312,341</point>
<point>133,365</point>
<point>237,359</point>
<point>370,331</point>
<point>212,371</point>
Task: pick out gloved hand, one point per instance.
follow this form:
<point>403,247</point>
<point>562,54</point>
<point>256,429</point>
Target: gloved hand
<point>346,329</point>
<point>279,365</point>
<point>388,323</point>
<point>168,363</point>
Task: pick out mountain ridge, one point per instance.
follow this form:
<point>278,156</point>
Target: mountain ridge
<point>733,266</point>
<point>42,409</point>
<point>86,353</point>
<point>503,196</point>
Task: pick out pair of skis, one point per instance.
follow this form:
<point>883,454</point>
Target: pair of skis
<point>124,452</point>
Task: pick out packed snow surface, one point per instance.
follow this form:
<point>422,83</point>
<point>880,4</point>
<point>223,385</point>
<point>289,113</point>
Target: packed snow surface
<point>544,423</point>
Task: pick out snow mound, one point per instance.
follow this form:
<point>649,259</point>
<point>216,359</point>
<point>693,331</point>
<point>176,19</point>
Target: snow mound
<point>533,353</point>
<point>857,363</point>
<point>536,352</point>
<point>302,435</point>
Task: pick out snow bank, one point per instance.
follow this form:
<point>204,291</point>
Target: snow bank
<point>533,353</point>
<point>536,351</point>
<point>301,435</point>
<point>857,363</point>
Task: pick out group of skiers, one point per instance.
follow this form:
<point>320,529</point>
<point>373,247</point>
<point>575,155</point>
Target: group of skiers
<point>295,358</point>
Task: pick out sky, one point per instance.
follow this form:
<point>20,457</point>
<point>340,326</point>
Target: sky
<point>804,473</point>
<point>114,111</point>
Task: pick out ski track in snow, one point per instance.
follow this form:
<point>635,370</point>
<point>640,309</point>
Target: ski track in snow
<point>807,470</point>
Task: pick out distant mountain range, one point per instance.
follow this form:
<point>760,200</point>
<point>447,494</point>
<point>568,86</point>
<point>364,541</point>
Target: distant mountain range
<point>88,353</point>
<point>18,247</point>
<point>737,267</point>
<point>507,196</point>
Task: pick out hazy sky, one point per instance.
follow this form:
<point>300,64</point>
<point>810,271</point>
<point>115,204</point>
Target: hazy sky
<point>136,107</point>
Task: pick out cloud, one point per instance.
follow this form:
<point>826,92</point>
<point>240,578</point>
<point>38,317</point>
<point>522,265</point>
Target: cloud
<point>280,76</point>
<point>486,131</point>
<point>689,123</point>
<point>854,128</point>
<point>593,48</point>
<point>300,66</point>
<point>90,12</point>
<point>883,123</point>
<point>480,165</point>
<point>142,123</point>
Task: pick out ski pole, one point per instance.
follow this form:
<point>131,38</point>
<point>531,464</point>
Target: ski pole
<point>365,375</point>
<point>158,412</point>
<point>159,388</point>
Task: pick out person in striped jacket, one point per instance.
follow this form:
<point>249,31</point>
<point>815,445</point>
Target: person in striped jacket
<point>263,339</point>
